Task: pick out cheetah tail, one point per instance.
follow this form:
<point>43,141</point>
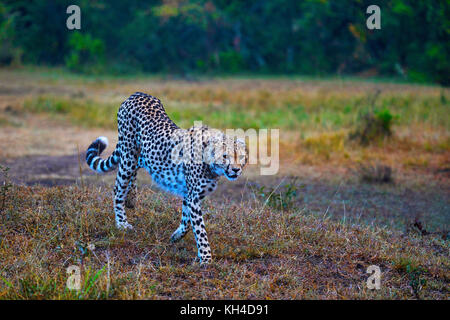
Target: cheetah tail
<point>95,162</point>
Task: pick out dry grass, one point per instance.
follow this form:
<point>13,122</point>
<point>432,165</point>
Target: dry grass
<point>258,253</point>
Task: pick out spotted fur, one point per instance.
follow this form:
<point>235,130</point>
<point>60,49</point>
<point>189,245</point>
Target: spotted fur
<point>187,163</point>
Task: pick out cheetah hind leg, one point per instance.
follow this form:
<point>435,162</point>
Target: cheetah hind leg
<point>184,226</point>
<point>126,173</point>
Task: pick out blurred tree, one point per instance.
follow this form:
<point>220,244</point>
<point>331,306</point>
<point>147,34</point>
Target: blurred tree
<point>9,54</point>
<point>40,30</point>
<point>270,36</point>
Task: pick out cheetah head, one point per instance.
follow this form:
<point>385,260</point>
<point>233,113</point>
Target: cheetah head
<point>227,156</point>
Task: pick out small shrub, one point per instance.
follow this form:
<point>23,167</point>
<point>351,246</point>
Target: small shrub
<point>375,173</point>
<point>373,126</point>
<point>281,198</point>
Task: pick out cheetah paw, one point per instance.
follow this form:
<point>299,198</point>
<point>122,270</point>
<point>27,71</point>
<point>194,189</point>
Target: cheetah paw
<point>205,261</point>
<point>176,236</point>
<point>124,226</point>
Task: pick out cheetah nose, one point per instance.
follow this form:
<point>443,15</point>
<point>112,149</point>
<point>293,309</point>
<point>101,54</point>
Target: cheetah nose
<point>236,170</point>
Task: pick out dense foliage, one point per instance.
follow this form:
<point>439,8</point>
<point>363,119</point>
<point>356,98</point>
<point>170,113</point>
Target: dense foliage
<point>228,36</point>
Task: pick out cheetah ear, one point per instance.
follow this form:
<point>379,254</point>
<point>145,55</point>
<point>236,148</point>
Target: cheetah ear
<point>209,154</point>
<point>241,142</point>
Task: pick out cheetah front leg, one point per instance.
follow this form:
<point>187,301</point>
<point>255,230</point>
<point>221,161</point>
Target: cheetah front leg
<point>198,227</point>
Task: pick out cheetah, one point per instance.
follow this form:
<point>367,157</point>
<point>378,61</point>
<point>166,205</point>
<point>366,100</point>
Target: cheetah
<point>184,162</point>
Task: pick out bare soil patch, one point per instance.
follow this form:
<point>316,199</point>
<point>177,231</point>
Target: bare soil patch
<point>46,170</point>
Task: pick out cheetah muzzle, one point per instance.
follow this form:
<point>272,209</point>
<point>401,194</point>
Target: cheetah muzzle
<point>187,163</point>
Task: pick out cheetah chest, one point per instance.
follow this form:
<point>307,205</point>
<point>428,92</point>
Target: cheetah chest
<point>168,178</point>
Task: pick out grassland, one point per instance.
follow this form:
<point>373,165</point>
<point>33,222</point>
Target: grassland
<point>313,241</point>
<point>261,254</point>
<point>315,117</point>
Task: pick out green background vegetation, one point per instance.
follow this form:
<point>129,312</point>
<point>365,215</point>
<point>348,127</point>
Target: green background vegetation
<point>216,36</point>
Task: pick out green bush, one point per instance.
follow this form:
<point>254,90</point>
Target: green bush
<point>373,126</point>
<point>86,53</point>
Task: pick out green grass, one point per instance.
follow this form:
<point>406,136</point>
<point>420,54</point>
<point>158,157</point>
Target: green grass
<point>258,253</point>
<point>80,112</point>
<point>263,110</point>
<point>60,73</point>
<point>292,103</point>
